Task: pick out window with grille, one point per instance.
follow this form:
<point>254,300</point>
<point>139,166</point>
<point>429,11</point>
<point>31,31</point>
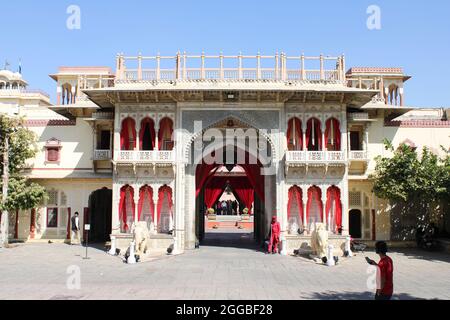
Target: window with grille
<point>355,198</point>
<point>52,198</point>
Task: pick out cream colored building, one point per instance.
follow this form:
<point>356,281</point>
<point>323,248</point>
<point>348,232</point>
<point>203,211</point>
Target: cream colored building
<point>127,145</point>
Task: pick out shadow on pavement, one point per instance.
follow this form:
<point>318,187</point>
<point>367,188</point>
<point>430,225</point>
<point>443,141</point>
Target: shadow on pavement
<point>238,240</point>
<point>333,295</point>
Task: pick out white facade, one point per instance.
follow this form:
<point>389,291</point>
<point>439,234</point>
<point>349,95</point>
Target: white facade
<point>88,129</point>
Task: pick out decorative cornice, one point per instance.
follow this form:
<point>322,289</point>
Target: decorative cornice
<point>50,123</point>
<point>418,124</point>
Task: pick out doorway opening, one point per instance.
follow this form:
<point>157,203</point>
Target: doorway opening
<point>100,215</point>
<point>355,223</point>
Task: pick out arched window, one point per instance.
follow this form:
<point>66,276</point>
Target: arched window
<point>314,208</point>
<point>295,135</point>
<point>128,135</point>
<point>333,135</point>
<point>314,135</point>
<point>333,210</point>
<point>393,95</point>
<point>147,135</point>
<point>126,208</point>
<point>165,139</point>
<point>146,206</point>
<point>165,209</point>
<point>295,209</point>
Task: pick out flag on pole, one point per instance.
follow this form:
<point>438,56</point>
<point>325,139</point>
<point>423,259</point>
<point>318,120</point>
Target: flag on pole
<point>20,66</point>
<point>6,65</point>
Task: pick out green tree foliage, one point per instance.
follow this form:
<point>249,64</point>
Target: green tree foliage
<point>22,194</point>
<point>419,182</point>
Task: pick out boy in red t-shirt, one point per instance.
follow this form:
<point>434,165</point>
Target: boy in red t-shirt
<point>385,272</point>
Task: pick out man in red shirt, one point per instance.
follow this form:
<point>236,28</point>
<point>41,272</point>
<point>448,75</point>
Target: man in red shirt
<point>385,275</point>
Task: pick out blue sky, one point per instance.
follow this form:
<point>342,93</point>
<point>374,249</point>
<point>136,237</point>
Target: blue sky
<point>414,35</point>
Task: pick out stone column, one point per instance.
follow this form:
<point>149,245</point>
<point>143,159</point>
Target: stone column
<point>304,128</point>
<point>115,209</point>
<point>324,203</point>
<point>323,127</point>
<point>137,137</point>
<point>155,201</point>
<point>305,203</point>
<point>117,128</point>
<point>156,136</point>
<point>402,97</point>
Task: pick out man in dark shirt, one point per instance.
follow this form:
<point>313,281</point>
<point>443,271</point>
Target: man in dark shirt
<point>385,275</point>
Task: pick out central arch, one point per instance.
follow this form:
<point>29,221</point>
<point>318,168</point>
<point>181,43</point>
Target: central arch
<point>257,174</point>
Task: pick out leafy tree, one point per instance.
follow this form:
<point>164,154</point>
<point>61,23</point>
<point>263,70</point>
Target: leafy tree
<point>22,194</point>
<point>418,184</point>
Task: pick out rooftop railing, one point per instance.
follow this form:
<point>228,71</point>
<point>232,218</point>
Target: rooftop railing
<point>236,67</point>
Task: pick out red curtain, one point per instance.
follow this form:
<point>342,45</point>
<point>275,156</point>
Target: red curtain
<point>161,193</point>
<point>334,195</point>
<point>151,124</point>
<point>125,191</point>
<point>146,190</point>
<point>336,133</point>
<point>253,172</point>
<point>295,193</point>
<point>317,132</point>
<point>314,194</point>
<point>165,125</point>
<point>127,133</point>
<point>203,173</point>
<point>213,191</point>
<point>298,133</point>
<point>244,191</point>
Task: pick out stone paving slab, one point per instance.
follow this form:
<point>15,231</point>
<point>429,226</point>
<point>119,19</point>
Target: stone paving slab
<point>224,268</point>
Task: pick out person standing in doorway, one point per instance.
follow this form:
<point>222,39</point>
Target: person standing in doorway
<point>275,230</point>
<point>385,273</point>
<point>75,222</point>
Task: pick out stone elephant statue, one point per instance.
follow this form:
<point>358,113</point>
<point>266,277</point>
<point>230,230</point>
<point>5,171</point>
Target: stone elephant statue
<point>319,240</point>
<point>141,236</point>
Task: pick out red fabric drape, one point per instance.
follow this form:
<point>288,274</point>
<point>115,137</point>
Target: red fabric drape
<point>127,133</point>
<point>317,132</point>
<point>151,124</point>
<point>253,172</point>
<point>146,190</point>
<point>295,193</point>
<point>334,195</point>
<point>213,191</point>
<point>314,194</point>
<point>161,193</point>
<point>336,133</point>
<point>244,191</point>
<point>298,133</point>
<point>166,125</point>
<point>203,173</point>
<point>125,191</point>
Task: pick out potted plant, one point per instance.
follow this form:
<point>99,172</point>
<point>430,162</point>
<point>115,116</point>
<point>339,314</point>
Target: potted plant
<point>245,214</point>
<point>211,213</point>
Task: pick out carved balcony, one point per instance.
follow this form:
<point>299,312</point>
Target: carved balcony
<point>303,158</point>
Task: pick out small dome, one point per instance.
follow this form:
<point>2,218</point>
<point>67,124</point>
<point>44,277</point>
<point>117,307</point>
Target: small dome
<point>12,76</point>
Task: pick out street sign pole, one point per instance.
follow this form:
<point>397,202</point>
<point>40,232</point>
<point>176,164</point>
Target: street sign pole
<point>87,228</point>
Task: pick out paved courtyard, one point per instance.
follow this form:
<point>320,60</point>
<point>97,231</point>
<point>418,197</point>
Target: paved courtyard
<point>227,266</point>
